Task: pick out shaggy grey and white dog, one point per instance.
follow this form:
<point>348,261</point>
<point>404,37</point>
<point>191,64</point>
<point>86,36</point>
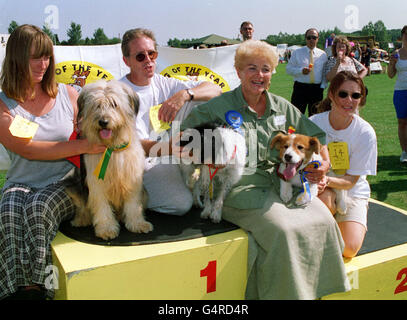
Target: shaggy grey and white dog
<point>107,112</point>
<point>219,154</point>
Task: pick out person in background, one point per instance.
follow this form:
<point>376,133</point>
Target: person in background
<point>328,44</point>
<point>365,57</point>
<point>306,65</point>
<point>341,60</point>
<point>163,181</point>
<point>287,259</point>
<point>340,120</point>
<point>357,52</point>
<point>33,201</point>
<point>330,40</point>
<point>246,30</point>
<point>398,66</point>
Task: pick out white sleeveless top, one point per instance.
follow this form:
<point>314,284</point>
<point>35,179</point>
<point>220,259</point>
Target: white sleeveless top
<point>56,125</point>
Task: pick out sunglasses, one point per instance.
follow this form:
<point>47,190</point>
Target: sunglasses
<point>354,95</point>
<point>140,57</point>
<point>312,38</point>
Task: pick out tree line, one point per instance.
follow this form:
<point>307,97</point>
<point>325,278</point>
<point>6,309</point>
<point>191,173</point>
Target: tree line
<point>382,35</point>
<point>74,34</point>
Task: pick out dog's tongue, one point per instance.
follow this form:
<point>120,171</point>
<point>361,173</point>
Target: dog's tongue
<point>290,170</point>
<point>105,133</point>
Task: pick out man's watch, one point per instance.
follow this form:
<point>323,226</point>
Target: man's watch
<point>191,94</point>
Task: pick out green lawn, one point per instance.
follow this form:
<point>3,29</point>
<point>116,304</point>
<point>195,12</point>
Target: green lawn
<point>390,184</point>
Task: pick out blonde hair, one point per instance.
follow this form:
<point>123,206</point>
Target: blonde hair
<point>255,49</point>
<point>16,77</point>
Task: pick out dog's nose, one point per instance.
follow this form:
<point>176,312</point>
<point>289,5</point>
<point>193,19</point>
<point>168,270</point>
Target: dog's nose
<point>288,157</point>
<point>103,123</point>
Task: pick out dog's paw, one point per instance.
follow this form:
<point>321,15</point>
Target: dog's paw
<point>139,226</point>
<point>302,200</point>
<point>341,208</point>
<point>216,215</point>
<point>107,231</point>
<point>206,212</point>
<point>286,196</point>
<point>81,219</point>
<point>197,201</point>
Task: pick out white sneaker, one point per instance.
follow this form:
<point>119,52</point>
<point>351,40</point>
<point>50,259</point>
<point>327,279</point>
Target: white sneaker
<point>403,157</point>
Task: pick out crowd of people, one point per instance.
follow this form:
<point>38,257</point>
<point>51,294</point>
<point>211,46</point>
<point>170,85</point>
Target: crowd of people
<point>287,259</point>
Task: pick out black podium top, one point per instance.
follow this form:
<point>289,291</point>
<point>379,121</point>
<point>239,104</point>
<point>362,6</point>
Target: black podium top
<point>166,228</point>
<point>386,228</point>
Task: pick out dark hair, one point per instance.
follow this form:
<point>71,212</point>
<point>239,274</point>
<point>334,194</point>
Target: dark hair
<point>337,81</point>
<point>404,30</point>
<point>310,29</point>
<point>245,23</point>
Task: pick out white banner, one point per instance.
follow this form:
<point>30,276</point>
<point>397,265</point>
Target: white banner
<point>78,65</point>
<point>213,64</point>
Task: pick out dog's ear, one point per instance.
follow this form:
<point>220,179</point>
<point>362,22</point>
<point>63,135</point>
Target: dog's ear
<point>315,145</point>
<point>275,143</point>
<point>134,101</point>
<point>132,95</point>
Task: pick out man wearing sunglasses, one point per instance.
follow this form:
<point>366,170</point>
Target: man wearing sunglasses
<point>163,181</point>
<point>306,68</point>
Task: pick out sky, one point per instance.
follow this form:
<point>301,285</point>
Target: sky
<point>186,19</point>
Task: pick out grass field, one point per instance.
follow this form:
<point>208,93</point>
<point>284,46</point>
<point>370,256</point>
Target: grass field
<point>390,184</point>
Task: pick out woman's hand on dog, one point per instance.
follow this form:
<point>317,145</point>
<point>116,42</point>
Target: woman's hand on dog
<point>91,148</point>
<point>322,185</point>
<point>317,175</point>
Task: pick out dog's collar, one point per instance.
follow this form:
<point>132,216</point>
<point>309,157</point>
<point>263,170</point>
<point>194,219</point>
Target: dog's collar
<point>121,147</point>
<point>101,168</point>
<point>212,166</point>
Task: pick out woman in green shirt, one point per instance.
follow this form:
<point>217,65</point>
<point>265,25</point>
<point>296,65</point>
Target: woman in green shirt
<point>294,252</point>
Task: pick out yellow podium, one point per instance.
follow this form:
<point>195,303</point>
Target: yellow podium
<point>380,271</point>
<point>215,266</point>
<point>207,267</point>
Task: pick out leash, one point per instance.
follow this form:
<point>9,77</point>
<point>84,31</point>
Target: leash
<point>101,168</point>
<point>212,175</point>
<point>305,184</point>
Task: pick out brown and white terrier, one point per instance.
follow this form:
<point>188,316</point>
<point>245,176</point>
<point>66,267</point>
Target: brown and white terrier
<point>297,152</point>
